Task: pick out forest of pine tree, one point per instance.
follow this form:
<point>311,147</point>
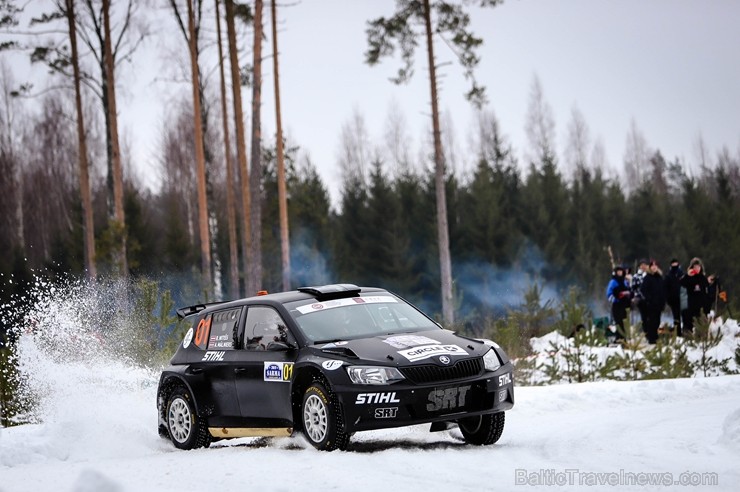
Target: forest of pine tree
<point>552,219</point>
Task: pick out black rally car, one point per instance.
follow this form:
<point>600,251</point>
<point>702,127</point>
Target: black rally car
<point>330,361</point>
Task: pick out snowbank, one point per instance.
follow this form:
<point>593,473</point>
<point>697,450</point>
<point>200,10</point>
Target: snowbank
<point>559,359</point>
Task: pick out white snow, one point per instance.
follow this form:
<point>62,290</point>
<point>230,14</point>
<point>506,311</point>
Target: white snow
<point>553,350</point>
<point>99,433</point>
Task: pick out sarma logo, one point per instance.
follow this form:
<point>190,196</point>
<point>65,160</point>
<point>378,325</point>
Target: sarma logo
<point>278,371</point>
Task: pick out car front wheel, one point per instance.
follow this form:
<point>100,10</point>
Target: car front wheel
<point>186,429</point>
<point>482,429</point>
<point>322,423</point>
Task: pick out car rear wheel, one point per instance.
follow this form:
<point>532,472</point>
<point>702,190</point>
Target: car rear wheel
<point>483,429</point>
<point>322,422</point>
<point>186,429</point>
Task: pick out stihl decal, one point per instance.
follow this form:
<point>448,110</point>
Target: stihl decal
<point>427,351</point>
<point>504,379</point>
<point>447,399</point>
<point>375,398</point>
<point>213,356</point>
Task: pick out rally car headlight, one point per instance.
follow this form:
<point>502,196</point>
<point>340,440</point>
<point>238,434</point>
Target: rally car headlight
<point>374,374</point>
<point>491,360</point>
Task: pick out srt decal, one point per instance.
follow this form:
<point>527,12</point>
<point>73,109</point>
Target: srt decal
<point>502,395</point>
<point>374,398</point>
<point>420,353</point>
<point>213,356</point>
<point>278,371</point>
<point>386,413</point>
<point>447,399</point>
<point>188,338</point>
<point>504,379</point>
<point>330,365</point>
<point>408,341</point>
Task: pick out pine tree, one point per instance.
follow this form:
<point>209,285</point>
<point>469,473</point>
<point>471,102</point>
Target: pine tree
<point>451,19</point>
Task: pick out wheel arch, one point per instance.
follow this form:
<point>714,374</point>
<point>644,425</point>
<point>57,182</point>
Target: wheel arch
<point>304,377</point>
<point>168,384</point>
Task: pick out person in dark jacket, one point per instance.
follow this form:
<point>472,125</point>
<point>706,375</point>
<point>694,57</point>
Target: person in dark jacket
<point>653,297</point>
<point>618,294</point>
<point>697,287</point>
<point>672,282</point>
<point>636,287</point>
<point>712,292</point>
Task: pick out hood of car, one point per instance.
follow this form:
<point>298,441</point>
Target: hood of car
<point>439,347</point>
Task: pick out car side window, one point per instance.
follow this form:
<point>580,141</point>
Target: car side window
<point>264,327</point>
<point>223,329</point>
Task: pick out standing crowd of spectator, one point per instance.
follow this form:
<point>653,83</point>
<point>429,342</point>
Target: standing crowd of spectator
<point>648,291</point>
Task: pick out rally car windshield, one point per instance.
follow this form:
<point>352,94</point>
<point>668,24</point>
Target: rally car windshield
<point>357,317</point>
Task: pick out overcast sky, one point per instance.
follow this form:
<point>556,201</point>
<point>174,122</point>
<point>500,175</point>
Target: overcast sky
<point>671,65</point>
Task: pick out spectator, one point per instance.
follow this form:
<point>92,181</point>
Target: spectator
<point>672,284</point>
<point>696,292</point>
<point>653,299</point>
<point>618,294</point>
<point>636,286</point>
<point>712,292</point>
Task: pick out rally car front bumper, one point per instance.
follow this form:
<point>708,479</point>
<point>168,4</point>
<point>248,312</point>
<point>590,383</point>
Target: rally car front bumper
<point>367,407</point>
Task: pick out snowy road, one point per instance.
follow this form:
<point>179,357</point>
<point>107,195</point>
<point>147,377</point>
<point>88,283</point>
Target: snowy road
<point>100,435</point>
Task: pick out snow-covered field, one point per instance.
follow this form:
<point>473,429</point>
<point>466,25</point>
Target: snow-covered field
<point>100,434</point>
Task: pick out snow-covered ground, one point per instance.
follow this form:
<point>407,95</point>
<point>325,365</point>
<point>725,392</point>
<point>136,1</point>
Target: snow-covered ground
<point>556,358</point>
<point>99,434</point>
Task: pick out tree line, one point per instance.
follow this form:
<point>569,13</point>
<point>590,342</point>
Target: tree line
<point>505,223</point>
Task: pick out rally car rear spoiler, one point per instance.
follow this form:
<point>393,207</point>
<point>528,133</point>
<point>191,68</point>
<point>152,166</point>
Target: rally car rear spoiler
<point>184,312</point>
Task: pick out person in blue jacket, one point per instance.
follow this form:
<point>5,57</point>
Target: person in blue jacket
<point>618,294</point>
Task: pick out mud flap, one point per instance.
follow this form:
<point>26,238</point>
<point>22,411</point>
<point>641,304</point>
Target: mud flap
<point>441,426</point>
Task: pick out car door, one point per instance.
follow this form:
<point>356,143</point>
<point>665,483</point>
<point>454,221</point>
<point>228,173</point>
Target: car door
<point>265,370</point>
<point>216,334</point>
